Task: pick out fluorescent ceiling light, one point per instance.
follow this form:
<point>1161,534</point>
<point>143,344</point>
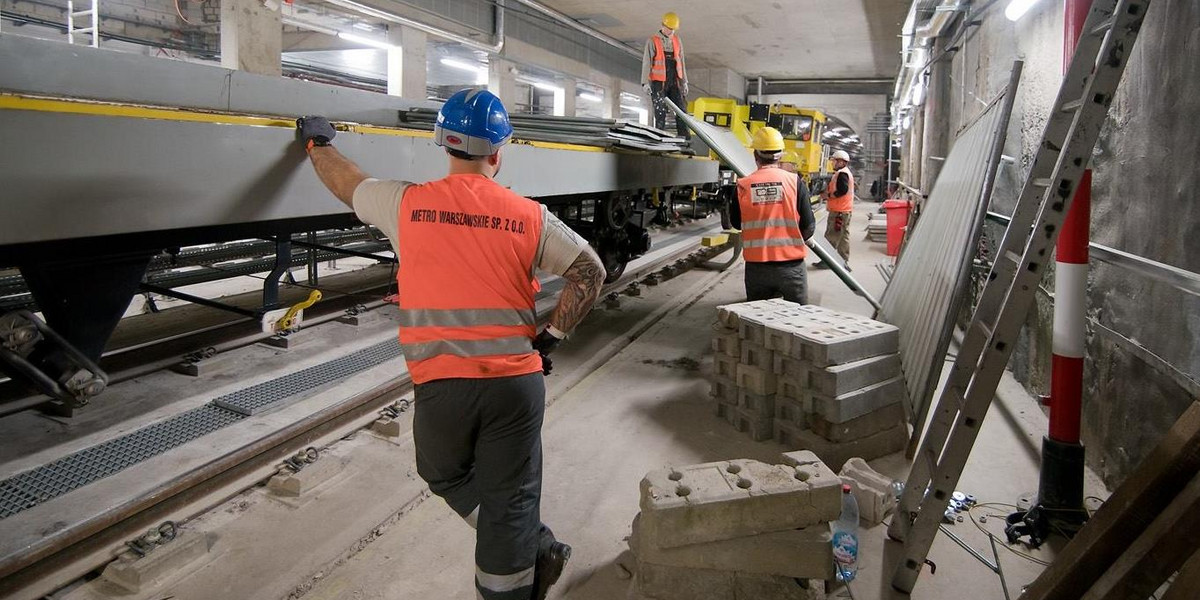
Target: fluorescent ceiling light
<point>541,85</point>
<point>305,25</point>
<point>462,66</point>
<point>358,39</point>
<point>1017,9</point>
<point>590,97</point>
<point>363,26</point>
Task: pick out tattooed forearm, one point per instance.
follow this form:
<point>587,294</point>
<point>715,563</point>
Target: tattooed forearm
<point>584,279</point>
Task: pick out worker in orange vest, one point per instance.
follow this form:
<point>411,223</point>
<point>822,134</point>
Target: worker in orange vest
<point>664,75</point>
<point>839,199</point>
<point>775,223</point>
<point>468,249</point>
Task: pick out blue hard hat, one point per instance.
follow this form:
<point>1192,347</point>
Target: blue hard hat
<point>473,121</point>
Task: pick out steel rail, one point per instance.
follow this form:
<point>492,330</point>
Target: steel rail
<point>71,552</point>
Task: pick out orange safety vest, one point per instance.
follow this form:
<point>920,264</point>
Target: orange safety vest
<point>770,219</point>
<point>658,69</point>
<point>840,203</point>
<point>466,279</point>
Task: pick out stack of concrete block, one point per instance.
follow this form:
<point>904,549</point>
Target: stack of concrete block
<point>837,385</point>
<point>744,383</point>
<point>736,529</point>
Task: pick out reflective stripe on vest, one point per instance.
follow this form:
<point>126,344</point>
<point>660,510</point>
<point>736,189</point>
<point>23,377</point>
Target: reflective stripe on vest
<point>840,203</point>
<point>770,219</point>
<point>658,67</point>
<point>477,317</point>
<point>467,249</point>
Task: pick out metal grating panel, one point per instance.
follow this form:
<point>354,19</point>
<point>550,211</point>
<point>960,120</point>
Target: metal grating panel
<point>253,399</point>
<point>926,289</point>
<point>31,488</point>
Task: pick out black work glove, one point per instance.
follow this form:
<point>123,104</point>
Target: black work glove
<point>314,129</point>
<point>544,343</point>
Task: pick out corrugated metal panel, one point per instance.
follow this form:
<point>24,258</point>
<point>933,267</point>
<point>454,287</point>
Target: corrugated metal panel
<point>925,293</point>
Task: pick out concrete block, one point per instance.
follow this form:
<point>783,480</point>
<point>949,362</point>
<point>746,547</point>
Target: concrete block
<point>792,387</point>
<point>836,454</point>
<point>756,405</point>
<point>872,490</point>
<point>838,409</point>
<point>725,366</point>
<point>800,553</point>
<point>136,574</point>
<point>724,390</point>
<point>730,499</point>
<point>792,411</point>
<point>790,367</point>
<point>843,379</point>
<point>757,380</point>
<point>759,427</point>
<point>311,476</point>
<point>677,583</point>
<point>844,338</point>
<point>728,412</point>
<point>859,427</point>
<point>386,427</point>
<point>727,344</point>
<point>757,355</point>
<point>731,315</point>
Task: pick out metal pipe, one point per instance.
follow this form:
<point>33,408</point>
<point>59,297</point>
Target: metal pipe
<point>580,27</point>
<point>390,17</point>
<point>760,89</point>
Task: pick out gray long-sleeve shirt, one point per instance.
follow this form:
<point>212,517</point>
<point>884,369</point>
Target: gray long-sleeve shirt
<point>648,56</point>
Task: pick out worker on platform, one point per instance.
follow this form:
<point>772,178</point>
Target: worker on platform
<point>775,223</point>
<point>839,199</point>
<point>664,75</point>
<point>469,249</point>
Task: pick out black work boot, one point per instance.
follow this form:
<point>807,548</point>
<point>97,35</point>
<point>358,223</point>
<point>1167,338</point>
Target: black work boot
<point>552,557</point>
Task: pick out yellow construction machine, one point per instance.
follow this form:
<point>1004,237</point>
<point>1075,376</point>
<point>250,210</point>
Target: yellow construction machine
<point>801,128</point>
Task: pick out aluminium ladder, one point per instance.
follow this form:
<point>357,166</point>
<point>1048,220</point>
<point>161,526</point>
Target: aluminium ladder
<point>92,14</point>
<point>1062,156</point>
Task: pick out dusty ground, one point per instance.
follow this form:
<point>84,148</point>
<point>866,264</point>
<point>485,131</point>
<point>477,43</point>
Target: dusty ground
<point>647,408</point>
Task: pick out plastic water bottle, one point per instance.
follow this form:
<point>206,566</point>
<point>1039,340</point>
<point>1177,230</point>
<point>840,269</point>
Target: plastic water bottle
<point>845,537</point>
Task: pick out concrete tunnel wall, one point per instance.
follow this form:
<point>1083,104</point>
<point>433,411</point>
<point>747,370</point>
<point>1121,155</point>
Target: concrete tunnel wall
<point>1143,357</point>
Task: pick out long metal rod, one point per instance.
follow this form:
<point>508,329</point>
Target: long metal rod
<point>580,27</point>
<point>1184,280</point>
<point>391,17</point>
<point>162,291</point>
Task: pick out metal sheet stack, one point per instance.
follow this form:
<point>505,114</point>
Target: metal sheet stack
<point>605,133</point>
<point>810,377</point>
<point>877,227</point>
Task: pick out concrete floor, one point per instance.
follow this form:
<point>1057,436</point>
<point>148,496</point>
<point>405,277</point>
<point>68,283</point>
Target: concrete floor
<point>369,529</point>
<point>648,407</point>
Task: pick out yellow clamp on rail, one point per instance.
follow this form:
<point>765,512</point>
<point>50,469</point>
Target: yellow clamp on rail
<point>289,318</point>
<point>713,241</point>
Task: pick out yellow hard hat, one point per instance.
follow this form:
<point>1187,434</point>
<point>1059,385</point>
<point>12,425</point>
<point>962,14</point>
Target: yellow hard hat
<point>767,139</point>
<point>671,20</point>
<point>790,156</point>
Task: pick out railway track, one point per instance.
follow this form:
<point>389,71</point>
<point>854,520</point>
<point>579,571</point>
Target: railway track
<point>39,558</point>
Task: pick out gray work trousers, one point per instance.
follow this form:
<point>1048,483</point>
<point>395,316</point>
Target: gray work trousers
<point>837,231</point>
<point>766,280</point>
<point>479,447</point>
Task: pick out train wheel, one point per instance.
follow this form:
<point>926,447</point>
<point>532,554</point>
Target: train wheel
<point>613,264</point>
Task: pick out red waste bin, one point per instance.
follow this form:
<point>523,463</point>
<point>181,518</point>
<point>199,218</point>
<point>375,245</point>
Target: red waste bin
<point>897,220</point>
